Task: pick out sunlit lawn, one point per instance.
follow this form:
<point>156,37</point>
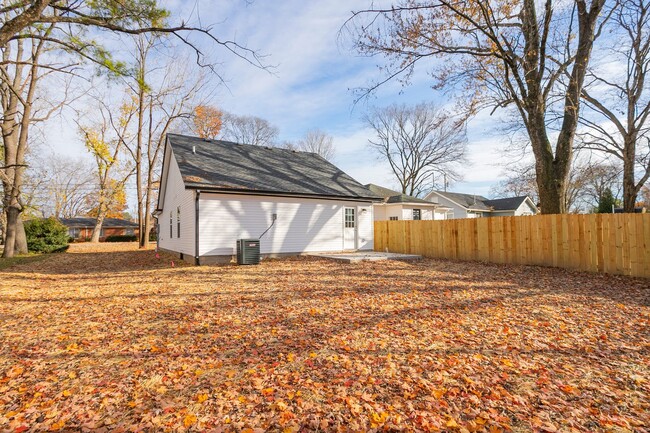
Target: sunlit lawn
<point>115,339</point>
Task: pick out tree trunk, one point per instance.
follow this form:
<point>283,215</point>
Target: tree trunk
<point>630,190</point>
<point>97,229</point>
<point>13,215</point>
<point>20,243</point>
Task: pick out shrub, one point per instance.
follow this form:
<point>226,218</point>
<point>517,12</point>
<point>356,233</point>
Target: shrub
<point>46,235</point>
<point>121,238</point>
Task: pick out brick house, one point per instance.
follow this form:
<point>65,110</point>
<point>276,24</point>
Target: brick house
<point>81,229</point>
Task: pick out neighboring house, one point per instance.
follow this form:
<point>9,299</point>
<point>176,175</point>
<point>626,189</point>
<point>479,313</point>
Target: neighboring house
<point>81,229</point>
<point>398,206</point>
<point>474,206</point>
<point>214,192</point>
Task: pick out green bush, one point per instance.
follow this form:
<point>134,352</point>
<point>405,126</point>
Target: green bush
<point>121,238</point>
<point>46,235</point>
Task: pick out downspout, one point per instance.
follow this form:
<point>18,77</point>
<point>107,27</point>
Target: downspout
<point>196,228</point>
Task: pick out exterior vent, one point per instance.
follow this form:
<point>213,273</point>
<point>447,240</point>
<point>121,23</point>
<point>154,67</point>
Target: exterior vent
<point>248,251</point>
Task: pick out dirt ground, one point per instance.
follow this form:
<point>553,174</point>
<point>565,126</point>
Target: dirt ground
<point>110,338</point>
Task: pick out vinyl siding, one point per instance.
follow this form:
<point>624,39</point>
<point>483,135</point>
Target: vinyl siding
<point>426,213</point>
<point>176,195</point>
<point>302,225</point>
<point>525,209</point>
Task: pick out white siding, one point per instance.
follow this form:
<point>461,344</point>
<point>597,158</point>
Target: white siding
<point>525,209</point>
<point>426,213</point>
<point>177,196</point>
<point>302,225</point>
<point>394,211</point>
<point>379,211</point>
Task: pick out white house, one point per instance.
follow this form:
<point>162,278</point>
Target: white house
<point>474,206</point>
<point>398,206</point>
<point>214,192</point>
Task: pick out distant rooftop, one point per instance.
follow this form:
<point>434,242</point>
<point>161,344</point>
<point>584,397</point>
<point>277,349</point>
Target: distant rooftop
<point>90,222</point>
<point>390,196</point>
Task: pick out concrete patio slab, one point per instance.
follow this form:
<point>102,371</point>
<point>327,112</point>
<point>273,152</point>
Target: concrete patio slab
<point>361,256</point>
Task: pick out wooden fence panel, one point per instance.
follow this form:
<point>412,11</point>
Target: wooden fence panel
<point>616,244</point>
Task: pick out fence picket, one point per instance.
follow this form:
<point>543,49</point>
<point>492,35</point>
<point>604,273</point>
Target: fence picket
<point>617,244</point>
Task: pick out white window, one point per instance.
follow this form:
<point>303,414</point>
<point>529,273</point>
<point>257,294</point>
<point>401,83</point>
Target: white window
<point>171,225</point>
<point>74,232</point>
<point>129,232</point>
<point>178,222</point>
<point>349,218</point>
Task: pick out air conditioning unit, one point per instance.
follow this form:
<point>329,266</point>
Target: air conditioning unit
<point>248,251</point>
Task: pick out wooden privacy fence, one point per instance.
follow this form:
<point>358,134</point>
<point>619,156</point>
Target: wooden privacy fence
<point>611,243</point>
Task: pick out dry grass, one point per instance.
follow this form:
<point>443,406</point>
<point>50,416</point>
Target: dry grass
<point>116,339</point>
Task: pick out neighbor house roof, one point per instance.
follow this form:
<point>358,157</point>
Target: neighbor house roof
<point>469,201</point>
<point>508,203</point>
<point>231,167</point>
<point>90,222</point>
<point>392,197</point>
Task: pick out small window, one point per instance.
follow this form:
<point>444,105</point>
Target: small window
<point>102,233</point>
<point>178,222</point>
<point>393,218</point>
<point>74,232</point>
<point>171,225</point>
<point>349,218</point>
<point>417,214</point>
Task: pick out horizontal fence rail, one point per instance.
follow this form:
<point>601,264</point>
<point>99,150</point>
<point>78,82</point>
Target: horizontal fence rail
<point>608,243</point>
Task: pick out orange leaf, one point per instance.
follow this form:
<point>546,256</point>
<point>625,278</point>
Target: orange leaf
<point>438,393</point>
<point>189,420</point>
<point>452,423</point>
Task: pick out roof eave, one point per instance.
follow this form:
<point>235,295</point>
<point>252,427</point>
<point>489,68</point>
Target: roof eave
<point>210,188</point>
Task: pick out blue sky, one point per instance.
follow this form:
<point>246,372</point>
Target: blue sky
<point>312,80</point>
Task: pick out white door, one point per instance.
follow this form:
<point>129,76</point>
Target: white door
<point>349,228</point>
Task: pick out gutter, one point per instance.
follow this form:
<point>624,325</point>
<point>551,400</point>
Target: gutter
<point>196,227</point>
<point>209,189</point>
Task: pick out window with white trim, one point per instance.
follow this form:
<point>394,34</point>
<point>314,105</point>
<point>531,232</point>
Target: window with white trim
<point>417,214</point>
<point>171,225</point>
<point>349,218</point>
<point>178,222</point>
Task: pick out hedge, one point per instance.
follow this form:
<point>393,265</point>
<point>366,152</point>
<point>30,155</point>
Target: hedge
<point>46,235</point>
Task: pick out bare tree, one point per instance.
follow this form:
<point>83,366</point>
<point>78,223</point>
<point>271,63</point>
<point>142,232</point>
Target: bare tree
<point>417,142</point>
<point>160,93</point>
<point>65,185</point>
<point>519,181</point>
<point>525,54</point>
<point>622,100</point>
<point>317,141</point>
<point>20,73</point>
<point>248,130</point>
<point>588,181</point>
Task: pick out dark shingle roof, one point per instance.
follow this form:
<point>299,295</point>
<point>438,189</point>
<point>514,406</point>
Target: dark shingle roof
<point>90,222</point>
<point>391,196</point>
<point>226,166</point>
<point>508,203</point>
<point>469,201</point>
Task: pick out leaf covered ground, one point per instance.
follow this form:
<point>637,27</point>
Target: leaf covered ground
<point>117,339</point>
